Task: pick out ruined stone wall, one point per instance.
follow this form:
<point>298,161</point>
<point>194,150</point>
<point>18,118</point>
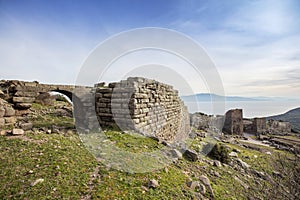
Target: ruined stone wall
<point>7,114</point>
<point>234,122</point>
<point>259,125</point>
<point>147,106</point>
<point>279,128</point>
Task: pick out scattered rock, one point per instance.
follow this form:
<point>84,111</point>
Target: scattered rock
<point>144,188</point>
<point>268,153</point>
<point>26,126</point>
<point>193,185</point>
<point>176,154</point>
<point>153,183</point>
<point>202,189</point>
<point>262,175</point>
<point>17,131</point>
<point>206,182</point>
<point>217,163</point>
<point>242,164</point>
<point>255,156</point>
<point>40,180</point>
<point>215,173</point>
<point>233,154</point>
<point>191,155</point>
<point>3,132</point>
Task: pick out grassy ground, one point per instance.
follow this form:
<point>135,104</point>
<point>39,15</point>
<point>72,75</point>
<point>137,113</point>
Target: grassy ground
<point>67,170</point>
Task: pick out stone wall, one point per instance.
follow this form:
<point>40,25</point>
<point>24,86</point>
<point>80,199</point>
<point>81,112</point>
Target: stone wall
<point>278,128</point>
<point>234,122</point>
<point>7,114</point>
<point>260,125</point>
<point>256,125</point>
<point>147,106</point>
<point>139,104</point>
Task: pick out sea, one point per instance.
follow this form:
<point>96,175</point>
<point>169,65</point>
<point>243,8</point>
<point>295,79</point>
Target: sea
<point>251,109</point>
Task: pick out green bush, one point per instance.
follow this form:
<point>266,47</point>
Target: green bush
<point>219,152</point>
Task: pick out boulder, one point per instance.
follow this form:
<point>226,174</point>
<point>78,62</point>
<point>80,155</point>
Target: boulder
<point>191,155</point>
<point>217,163</point>
<point>3,132</point>
<point>26,126</point>
<point>176,154</point>
<point>16,131</point>
<point>204,179</point>
<point>153,183</point>
<point>242,164</point>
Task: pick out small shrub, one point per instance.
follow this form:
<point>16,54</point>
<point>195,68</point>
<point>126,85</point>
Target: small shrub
<point>219,152</point>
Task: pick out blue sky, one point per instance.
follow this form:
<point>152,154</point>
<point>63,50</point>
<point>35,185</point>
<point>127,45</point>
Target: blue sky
<point>254,44</point>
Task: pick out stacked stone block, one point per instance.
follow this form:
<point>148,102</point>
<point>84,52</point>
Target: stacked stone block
<point>147,106</point>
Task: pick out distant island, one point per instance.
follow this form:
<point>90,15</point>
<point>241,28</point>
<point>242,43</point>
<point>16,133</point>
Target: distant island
<point>207,97</point>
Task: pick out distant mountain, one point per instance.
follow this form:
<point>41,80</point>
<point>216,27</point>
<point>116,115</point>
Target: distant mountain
<point>292,116</point>
<point>204,97</point>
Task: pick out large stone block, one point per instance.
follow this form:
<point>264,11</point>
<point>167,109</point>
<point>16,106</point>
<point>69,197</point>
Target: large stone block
<point>2,122</point>
<point>23,106</point>
<point>2,111</point>
<point>23,99</point>
<point>9,111</point>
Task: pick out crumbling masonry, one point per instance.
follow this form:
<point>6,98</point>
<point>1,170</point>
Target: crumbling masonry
<point>147,106</point>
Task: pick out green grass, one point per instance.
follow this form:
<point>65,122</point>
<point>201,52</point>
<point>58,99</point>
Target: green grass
<point>62,162</point>
<point>66,165</point>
